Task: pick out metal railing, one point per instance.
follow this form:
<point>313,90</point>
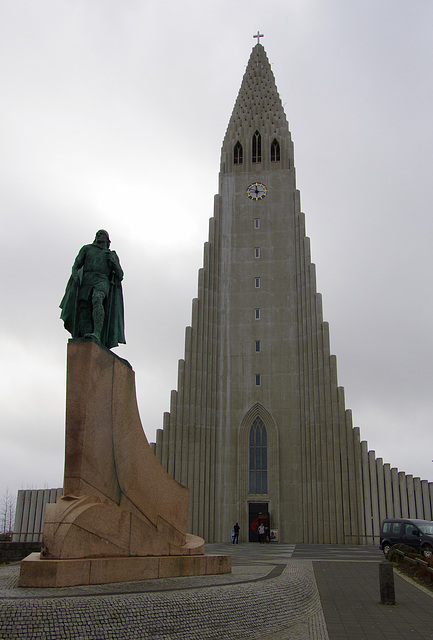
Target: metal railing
<point>415,560</point>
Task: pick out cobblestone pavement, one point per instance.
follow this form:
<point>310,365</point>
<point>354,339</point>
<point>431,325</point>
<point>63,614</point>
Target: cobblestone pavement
<point>275,592</point>
<point>268,596</point>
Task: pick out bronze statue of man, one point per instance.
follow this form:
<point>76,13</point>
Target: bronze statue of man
<point>92,306</point>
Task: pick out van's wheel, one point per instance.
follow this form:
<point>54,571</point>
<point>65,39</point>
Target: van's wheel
<point>385,548</point>
<point>427,551</point>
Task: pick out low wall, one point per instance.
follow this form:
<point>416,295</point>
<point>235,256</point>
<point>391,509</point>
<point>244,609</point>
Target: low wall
<point>15,551</point>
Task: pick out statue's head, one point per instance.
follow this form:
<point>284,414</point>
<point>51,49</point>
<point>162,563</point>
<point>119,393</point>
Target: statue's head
<point>102,237</point>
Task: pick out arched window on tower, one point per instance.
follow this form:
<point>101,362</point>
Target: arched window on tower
<point>257,147</point>
<point>258,458</point>
<point>238,154</point>
<point>275,151</point>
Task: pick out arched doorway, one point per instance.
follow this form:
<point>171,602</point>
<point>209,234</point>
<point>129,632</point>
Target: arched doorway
<point>258,472</point>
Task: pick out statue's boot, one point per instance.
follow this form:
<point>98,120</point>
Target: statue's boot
<point>98,315</point>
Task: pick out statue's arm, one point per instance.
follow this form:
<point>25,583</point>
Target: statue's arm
<point>79,261</point>
<point>116,265</point>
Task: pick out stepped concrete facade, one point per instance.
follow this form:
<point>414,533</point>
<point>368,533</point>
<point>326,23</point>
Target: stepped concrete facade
<point>30,513</point>
<point>258,428</point>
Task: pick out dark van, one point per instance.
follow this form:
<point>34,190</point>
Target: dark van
<point>415,533</point>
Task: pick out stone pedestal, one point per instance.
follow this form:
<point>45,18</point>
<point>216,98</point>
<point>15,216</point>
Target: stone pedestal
<point>39,572</point>
<point>121,516</point>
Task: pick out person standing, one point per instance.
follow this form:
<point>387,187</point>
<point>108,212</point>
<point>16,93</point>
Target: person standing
<point>236,529</point>
<point>261,532</point>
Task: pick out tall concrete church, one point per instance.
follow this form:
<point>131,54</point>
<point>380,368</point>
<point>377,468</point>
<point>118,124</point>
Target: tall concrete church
<point>258,428</point>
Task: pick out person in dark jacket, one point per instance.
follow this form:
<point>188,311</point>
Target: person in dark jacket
<point>236,528</point>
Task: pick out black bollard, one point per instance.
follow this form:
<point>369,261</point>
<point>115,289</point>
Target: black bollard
<point>386,581</point>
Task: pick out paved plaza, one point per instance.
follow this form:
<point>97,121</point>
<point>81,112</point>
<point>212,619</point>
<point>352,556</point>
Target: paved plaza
<point>276,592</point>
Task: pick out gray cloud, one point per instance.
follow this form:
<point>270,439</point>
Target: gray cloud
<point>113,116</point>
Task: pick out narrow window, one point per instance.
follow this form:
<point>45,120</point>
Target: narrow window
<point>257,283</point>
<point>257,252</point>
<point>258,380</point>
<point>257,223</point>
<point>258,458</point>
<point>238,153</point>
<point>257,147</point>
<point>275,151</point>
<point>258,346</point>
<point>257,314</point>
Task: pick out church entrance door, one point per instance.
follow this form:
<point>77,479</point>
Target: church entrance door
<point>257,514</point>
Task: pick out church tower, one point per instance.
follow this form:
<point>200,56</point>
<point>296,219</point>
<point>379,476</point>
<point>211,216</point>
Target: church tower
<point>258,428</point>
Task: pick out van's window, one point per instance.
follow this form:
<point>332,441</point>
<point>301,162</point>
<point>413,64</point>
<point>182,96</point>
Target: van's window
<point>396,527</point>
<point>426,527</point>
<point>408,528</point>
<point>386,527</point>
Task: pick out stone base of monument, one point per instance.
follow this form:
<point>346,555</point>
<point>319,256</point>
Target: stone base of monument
<point>37,572</point>
<point>121,517</point>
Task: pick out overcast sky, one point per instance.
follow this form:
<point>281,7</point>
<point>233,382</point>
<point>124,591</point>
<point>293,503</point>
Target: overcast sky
<point>113,115</point>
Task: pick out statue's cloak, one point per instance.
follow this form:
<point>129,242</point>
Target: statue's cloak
<point>113,330</point>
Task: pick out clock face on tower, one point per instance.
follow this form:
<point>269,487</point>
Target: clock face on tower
<point>256,191</point>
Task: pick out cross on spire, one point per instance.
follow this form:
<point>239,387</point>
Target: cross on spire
<point>258,36</point>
